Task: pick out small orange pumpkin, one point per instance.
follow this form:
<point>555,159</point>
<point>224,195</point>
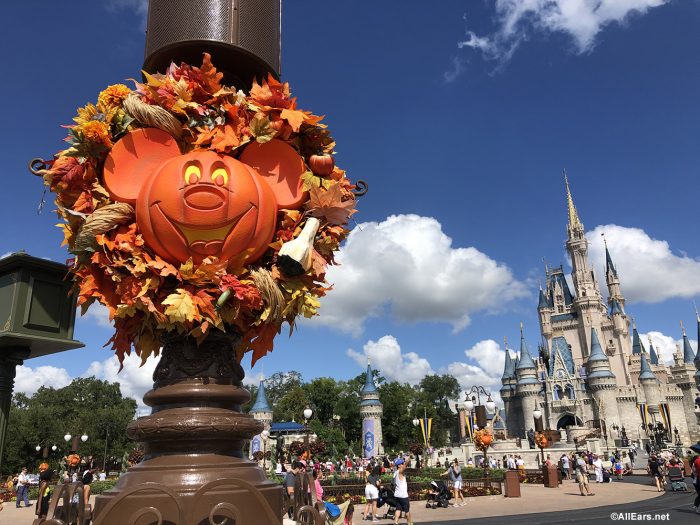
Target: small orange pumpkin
<point>322,165</point>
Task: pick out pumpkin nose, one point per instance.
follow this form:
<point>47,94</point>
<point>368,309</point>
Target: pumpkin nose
<point>204,198</point>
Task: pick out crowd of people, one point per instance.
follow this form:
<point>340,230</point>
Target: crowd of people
<point>372,470</point>
<point>21,483</point>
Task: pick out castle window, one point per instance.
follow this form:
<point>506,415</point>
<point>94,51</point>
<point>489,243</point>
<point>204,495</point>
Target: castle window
<point>560,309</point>
<point>557,392</point>
<point>570,393</point>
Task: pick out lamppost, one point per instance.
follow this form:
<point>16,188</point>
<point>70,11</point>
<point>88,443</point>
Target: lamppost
<point>540,437</point>
<point>74,444</point>
<point>265,435</point>
<point>482,436</point>
<point>307,415</point>
<point>474,403</point>
<point>45,453</point>
<point>425,433</point>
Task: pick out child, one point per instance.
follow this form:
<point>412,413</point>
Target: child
<point>348,515</point>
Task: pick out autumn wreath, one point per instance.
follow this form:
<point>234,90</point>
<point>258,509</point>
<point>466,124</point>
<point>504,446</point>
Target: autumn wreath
<point>149,292</point>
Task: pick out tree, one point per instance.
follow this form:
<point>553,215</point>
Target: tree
<point>323,394</point>
<point>434,394</point>
<point>291,406</point>
<point>86,406</point>
<point>397,421</point>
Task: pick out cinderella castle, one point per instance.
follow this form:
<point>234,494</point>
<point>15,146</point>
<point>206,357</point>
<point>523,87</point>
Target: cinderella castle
<point>593,374</point>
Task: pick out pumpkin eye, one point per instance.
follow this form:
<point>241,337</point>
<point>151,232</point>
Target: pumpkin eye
<point>220,177</point>
<point>192,174</point>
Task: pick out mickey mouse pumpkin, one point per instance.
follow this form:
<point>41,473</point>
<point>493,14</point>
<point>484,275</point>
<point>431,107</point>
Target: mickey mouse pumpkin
<point>202,203</point>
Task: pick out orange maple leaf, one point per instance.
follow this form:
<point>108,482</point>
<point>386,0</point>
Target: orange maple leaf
<point>210,76</point>
<point>329,204</point>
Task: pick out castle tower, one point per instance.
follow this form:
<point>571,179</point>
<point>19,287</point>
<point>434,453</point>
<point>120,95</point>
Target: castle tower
<point>262,412</point>
<point>602,383</point>
<point>527,387</point>
<point>371,410</point>
<point>511,403</point>
<point>588,297</point>
<point>613,282</point>
<point>683,376</point>
<point>650,386</point>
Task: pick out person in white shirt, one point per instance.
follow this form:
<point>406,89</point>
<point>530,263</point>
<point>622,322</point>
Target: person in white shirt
<point>565,466</point>
<point>23,488</point>
<point>598,467</point>
<point>403,504</point>
<point>510,462</point>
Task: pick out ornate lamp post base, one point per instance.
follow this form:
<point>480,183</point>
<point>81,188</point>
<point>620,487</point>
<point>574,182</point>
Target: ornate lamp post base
<point>193,471</point>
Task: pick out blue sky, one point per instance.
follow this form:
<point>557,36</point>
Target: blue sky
<point>461,117</point>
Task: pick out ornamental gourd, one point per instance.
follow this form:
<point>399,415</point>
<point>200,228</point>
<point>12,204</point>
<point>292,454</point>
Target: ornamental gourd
<point>203,204</point>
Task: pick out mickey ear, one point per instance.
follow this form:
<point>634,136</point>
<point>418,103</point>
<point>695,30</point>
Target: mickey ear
<point>281,167</point>
<point>133,158</point>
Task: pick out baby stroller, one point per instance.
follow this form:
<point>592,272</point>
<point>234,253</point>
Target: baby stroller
<point>675,476</point>
<point>386,497</point>
<point>439,496</point>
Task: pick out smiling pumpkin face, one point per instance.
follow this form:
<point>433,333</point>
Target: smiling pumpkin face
<point>203,204</point>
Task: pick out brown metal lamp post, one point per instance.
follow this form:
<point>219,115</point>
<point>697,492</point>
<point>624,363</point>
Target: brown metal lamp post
<point>194,471</point>
<point>539,432</point>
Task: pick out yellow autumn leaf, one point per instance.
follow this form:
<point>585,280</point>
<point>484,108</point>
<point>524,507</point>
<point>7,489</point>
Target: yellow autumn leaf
<point>180,308</point>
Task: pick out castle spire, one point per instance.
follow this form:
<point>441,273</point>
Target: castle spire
<point>688,354</point>
<point>574,221</point>
<point>697,354</point>
<point>645,372</point>
<point>525,362</point>
<point>653,356</point>
<point>610,270</point>
<point>369,387</point>
<point>637,346</point>
<point>261,404</point>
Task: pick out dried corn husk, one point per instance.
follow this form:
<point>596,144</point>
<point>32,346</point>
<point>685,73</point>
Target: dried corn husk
<point>101,221</point>
<point>271,294</point>
<point>152,116</point>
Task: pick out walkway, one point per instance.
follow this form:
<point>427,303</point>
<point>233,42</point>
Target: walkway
<point>535,499</point>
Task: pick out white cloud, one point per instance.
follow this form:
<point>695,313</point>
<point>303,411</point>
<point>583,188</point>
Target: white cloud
<point>407,266</point>
<point>99,314</point>
<point>483,364</point>
<point>649,271</point>
<point>580,20</point>
<point>134,380</point>
<point>665,345</point>
<point>28,379</point>
<point>485,368</point>
<point>385,355</point>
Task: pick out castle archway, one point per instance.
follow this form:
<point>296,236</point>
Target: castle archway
<point>568,420</point>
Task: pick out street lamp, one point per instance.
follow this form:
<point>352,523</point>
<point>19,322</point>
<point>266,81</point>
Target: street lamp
<point>265,435</point>
<point>307,415</point>
<point>540,438</point>
<point>74,444</point>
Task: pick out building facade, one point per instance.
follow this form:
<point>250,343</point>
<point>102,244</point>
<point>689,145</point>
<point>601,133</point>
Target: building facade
<point>592,373</point>
<point>371,410</point>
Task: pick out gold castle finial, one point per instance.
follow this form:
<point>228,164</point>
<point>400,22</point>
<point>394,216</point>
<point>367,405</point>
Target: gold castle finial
<point>521,329</point>
<point>505,342</point>
<point>682,328</point>
<point>697,316</point>
<point>574,221</point>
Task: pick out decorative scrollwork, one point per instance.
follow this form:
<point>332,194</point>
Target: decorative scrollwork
<point>219,509</point>
<point>361,188</point>
<point>107,515</point>
<point>238,483</point>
